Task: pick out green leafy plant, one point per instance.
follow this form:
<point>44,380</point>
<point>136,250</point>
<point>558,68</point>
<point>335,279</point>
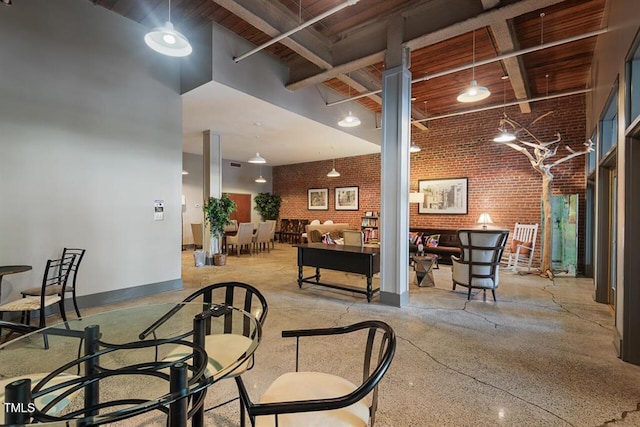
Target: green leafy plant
<point>268,205</point>
<point>216,213</point>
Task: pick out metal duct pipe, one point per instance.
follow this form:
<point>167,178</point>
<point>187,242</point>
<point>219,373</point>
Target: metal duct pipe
<point>484,62</point>
<point>296,29</point>
<point>508,104</point>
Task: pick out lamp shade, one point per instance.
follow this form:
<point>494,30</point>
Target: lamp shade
<point>349,121</point>
<point>484,219</point>
<point>416,197</point>
<point>260,179</point>
<point>257,159</point>
<point>167,41</point>
<point>474,93</point>
<point>333,173</point>
<point>504,137</point>
<point>414,148</point>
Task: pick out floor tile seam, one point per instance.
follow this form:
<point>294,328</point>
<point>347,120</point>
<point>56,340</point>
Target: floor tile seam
<point>479,381</point>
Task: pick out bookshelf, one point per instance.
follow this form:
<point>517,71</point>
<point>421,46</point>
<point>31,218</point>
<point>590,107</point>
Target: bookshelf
<point>369,227</point>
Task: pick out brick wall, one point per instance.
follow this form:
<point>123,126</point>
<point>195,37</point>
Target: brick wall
<point>501,180</point>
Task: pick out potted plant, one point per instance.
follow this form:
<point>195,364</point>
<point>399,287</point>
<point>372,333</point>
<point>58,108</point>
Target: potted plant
<point>216,214</point>
<point>268,205</point>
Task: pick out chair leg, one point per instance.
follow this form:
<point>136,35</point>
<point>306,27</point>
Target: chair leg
<point>493,291</point>
<point>63,312</point>
<point>75,303</point>
<point>469,294</point>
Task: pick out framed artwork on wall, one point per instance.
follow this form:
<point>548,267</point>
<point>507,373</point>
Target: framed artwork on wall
<point>346,198</point>
<point>443,196</point>
<point>318,199</point>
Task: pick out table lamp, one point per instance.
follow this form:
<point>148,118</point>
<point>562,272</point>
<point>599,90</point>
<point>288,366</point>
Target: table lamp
<point>484,220</point>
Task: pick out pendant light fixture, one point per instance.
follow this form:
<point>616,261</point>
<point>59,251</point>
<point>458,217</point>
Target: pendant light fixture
<point>257,159</point>
<point>349,120</point>
<point>505,135</point>
<point>414,148</point>
<point>167,41</point>
<point>260,179</point>
<point>473,92</point>
<point>333,173</point>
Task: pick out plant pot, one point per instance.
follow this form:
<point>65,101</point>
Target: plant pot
<point>220,259</point>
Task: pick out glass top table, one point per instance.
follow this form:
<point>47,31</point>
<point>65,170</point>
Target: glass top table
<point>98,370</point>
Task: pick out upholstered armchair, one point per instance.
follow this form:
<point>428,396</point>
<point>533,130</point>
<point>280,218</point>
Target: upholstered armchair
<point>478,265</point>
<point>244,237</point>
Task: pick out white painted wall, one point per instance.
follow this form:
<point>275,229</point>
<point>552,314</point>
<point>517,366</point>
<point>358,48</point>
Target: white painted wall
<point>90,122</point>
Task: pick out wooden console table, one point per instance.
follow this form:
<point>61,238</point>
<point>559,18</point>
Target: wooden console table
<point>350,259</point>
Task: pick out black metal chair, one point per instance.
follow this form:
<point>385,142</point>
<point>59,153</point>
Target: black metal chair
<point>233,294</point>
<point>319,398</point>
<point>478,265</point>
<point>69,286</point>
<point>56,274</point>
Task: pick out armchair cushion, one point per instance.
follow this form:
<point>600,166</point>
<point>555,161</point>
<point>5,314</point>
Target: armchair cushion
<point>294,386</point>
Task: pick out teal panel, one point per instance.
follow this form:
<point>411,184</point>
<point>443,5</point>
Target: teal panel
<point>564,237</point>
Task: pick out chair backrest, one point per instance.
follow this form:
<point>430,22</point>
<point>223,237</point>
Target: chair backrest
<point>79,253</point>
<point>196,230</point>
<point>233,226</point>
<point>235,294</point>
<point>315,222</point>
<point>263,233</point>
<point>353,238</point>
<point>56,272</point>
<point>245,233</point>
<point>328,222</point>
<point>272,228</point>
<point>482,250</point>
<point>526,233</point>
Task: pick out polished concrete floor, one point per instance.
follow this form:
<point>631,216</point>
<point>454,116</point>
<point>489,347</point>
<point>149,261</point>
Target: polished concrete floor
<point>540,356</point>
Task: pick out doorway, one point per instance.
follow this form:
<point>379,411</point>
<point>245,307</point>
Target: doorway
<point>243,207</point>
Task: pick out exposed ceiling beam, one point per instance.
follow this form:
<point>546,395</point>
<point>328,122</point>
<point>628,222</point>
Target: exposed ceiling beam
<point>505,40</point>
<point>485,19</point>
<point>273,19</point>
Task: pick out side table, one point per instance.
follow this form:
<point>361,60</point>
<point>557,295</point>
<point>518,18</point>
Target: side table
<point>423,266</point>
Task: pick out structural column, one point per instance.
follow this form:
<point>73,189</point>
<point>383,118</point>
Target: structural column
<point>212,177</point>
<point>394,213</point>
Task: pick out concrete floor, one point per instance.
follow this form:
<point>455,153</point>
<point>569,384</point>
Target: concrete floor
<point>540,356</point>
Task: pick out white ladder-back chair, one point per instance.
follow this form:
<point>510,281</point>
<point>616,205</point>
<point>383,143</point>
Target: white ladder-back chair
<point>523,246</point>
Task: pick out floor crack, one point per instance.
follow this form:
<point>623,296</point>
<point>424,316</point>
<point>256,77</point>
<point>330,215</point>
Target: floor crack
<point>624,415</point>
<point>565,309</point>
<point>430,356</point>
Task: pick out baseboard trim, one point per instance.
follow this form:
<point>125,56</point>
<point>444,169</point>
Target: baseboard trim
<point>119,295</point>
<point>394,300</point>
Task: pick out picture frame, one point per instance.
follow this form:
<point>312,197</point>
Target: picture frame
<point>444,196</point>
<point>347,198</point>
<point>318,199</point>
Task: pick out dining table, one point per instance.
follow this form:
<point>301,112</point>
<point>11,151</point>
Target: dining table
<point>11,269</point>
<point>97,370</point>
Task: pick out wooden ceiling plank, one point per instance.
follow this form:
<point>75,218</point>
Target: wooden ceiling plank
<point>482,20</point>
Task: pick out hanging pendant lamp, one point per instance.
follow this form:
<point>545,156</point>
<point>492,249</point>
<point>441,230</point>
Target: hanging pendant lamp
<point>257,159</point>
<point>349,120</point>
<point>333,173</point>
<point>505,135</point>
<point>414,148</point>
<point>167,40</point>
<point>473,92</point>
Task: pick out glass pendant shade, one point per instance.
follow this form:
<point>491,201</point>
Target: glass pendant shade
<point>349,121</point>
<point>167,41</point>
<point>474,93</point>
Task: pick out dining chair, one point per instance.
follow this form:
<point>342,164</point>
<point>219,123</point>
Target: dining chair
<point>56,274</point>
<point>243,238</point>
<point>221,346</point>
<point>261,237</point>
<point>478,265</point>
<point>326,397</point>
<point>70,286</point>
<point>272,232</point>
<point>353,238</point>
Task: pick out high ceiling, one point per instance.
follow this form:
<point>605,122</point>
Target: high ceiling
<point>345,51</point>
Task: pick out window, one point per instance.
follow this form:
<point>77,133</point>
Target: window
<point>591,156</point>
<point>609,124</point>
<point>633,83</point>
